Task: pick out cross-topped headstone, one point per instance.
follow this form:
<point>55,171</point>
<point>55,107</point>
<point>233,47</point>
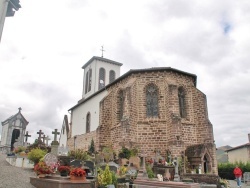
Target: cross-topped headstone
<point>47,140</point>
<point>26,136</point>
<point>143,172</point>
<point>44,138</point>
<point>40,133</point>
<point>55,133</point>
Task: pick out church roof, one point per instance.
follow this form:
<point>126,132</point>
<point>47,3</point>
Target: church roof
<point>100,59</point>
<point>134,71</point>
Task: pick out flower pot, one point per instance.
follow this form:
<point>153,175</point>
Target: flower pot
<point>64,173</point>
<point>77,178</point>
<point>121,180</point>
<point>41,175</point>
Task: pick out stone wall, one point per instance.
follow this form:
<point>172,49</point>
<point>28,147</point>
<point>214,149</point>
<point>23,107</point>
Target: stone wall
<point>169,130</point>
<point>82,141</point>
<point>203,178</point>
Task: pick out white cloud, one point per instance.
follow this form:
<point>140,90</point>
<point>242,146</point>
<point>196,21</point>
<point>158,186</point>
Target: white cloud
<point>45,44</point>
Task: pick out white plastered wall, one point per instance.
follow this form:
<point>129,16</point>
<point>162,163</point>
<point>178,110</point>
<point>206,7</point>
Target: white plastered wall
<point>79,114</point>
<point>240,154</point>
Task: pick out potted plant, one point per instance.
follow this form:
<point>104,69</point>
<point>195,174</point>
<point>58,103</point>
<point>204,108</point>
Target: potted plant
<point>104,177</point>
<point>77,174</point>
<point>64,170</point>
<point>121,174</point>
<point>41,169</point>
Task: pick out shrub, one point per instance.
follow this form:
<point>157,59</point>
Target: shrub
<point>124,153</point>
<point>36,154</point>
<point>79,154</point>
<point>150,172</point>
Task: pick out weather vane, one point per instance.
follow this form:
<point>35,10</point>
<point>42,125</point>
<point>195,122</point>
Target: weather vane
<point>102,51</point>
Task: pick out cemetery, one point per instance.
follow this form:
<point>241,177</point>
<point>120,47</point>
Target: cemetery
<point>58,167</point>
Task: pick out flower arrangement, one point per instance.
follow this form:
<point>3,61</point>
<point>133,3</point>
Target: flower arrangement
<point>78,172</point>
<point>63,169</point>
<point>122,171</point>
<point>42,168</point>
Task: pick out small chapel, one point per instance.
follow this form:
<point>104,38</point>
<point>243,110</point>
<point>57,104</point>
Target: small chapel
<point>13,132</point>
<point>153,109</point>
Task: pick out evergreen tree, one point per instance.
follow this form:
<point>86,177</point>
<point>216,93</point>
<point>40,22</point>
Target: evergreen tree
<point>92,147</point>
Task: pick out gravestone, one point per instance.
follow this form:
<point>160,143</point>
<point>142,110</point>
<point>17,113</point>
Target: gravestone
<point>90,165</point>
<point>47,140</point>
<point>176,164</point>
<point>76,163</point>
<point>50,160</point>
<point>55,143</point>
<point>113,166</point>
<point>26,138</point>
<point>142,174</point>
<point>63,151</point>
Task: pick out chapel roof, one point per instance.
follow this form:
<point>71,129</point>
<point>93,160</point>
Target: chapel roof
<point>13,117</point>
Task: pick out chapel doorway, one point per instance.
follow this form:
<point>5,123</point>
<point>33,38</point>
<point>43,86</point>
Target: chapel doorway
<point>15,135</point>
<point>205,164</point>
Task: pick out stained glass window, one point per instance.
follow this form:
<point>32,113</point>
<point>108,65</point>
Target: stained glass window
<point>152,100</point>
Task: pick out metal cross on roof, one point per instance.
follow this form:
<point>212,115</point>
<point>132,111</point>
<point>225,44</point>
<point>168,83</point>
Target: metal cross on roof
<point>102,50</point>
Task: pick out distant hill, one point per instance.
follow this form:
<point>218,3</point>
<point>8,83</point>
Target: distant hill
<point>221,154</point>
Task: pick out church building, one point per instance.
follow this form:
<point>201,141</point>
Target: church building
<point>153,109</point>
<point>13,132</point>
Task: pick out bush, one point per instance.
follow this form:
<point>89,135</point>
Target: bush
<point>225,170</point>
<point>36,154</point>
<point>124,153</point>
<point>79,154</point>
<point>150,172</point>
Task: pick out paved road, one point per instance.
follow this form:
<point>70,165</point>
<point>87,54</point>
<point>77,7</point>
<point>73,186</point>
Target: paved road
<point>14,177</point>
<point>233,184</point>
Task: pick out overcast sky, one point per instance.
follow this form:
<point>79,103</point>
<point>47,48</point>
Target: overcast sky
<point>45,44</point>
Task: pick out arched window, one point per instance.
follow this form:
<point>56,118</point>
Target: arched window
<point>90,79</point>
<point>86,82</point>
<point>120,104</point>
<point>111,76</point>
<point>181,96</point>
<point>152,100</point>
<point>101,78</point>
<point>88,123</point>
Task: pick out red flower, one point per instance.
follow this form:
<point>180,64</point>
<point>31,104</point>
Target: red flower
<point>79,172</point>
<point>42,168</point>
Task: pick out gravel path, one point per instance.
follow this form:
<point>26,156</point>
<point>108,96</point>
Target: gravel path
<point>14,177</point>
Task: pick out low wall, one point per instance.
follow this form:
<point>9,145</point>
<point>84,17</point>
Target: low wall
<point>203,178</point>
<point>20,161</point>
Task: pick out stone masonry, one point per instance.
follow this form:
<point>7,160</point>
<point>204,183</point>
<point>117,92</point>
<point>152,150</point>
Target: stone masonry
<point>167,132</point>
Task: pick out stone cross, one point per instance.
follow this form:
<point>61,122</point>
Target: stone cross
<point>55,133</point>
<point>47,140</point>
<point>44,138</point>
<point>176,165</point>
<point>39,133</point>
<point>143,172</point>
<point>26,136</point>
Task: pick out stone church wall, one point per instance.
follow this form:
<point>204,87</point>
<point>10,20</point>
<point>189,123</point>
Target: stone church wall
<point>169,131</point>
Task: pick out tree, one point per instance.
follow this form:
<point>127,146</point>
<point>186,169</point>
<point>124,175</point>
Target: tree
<point>92,147</point>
